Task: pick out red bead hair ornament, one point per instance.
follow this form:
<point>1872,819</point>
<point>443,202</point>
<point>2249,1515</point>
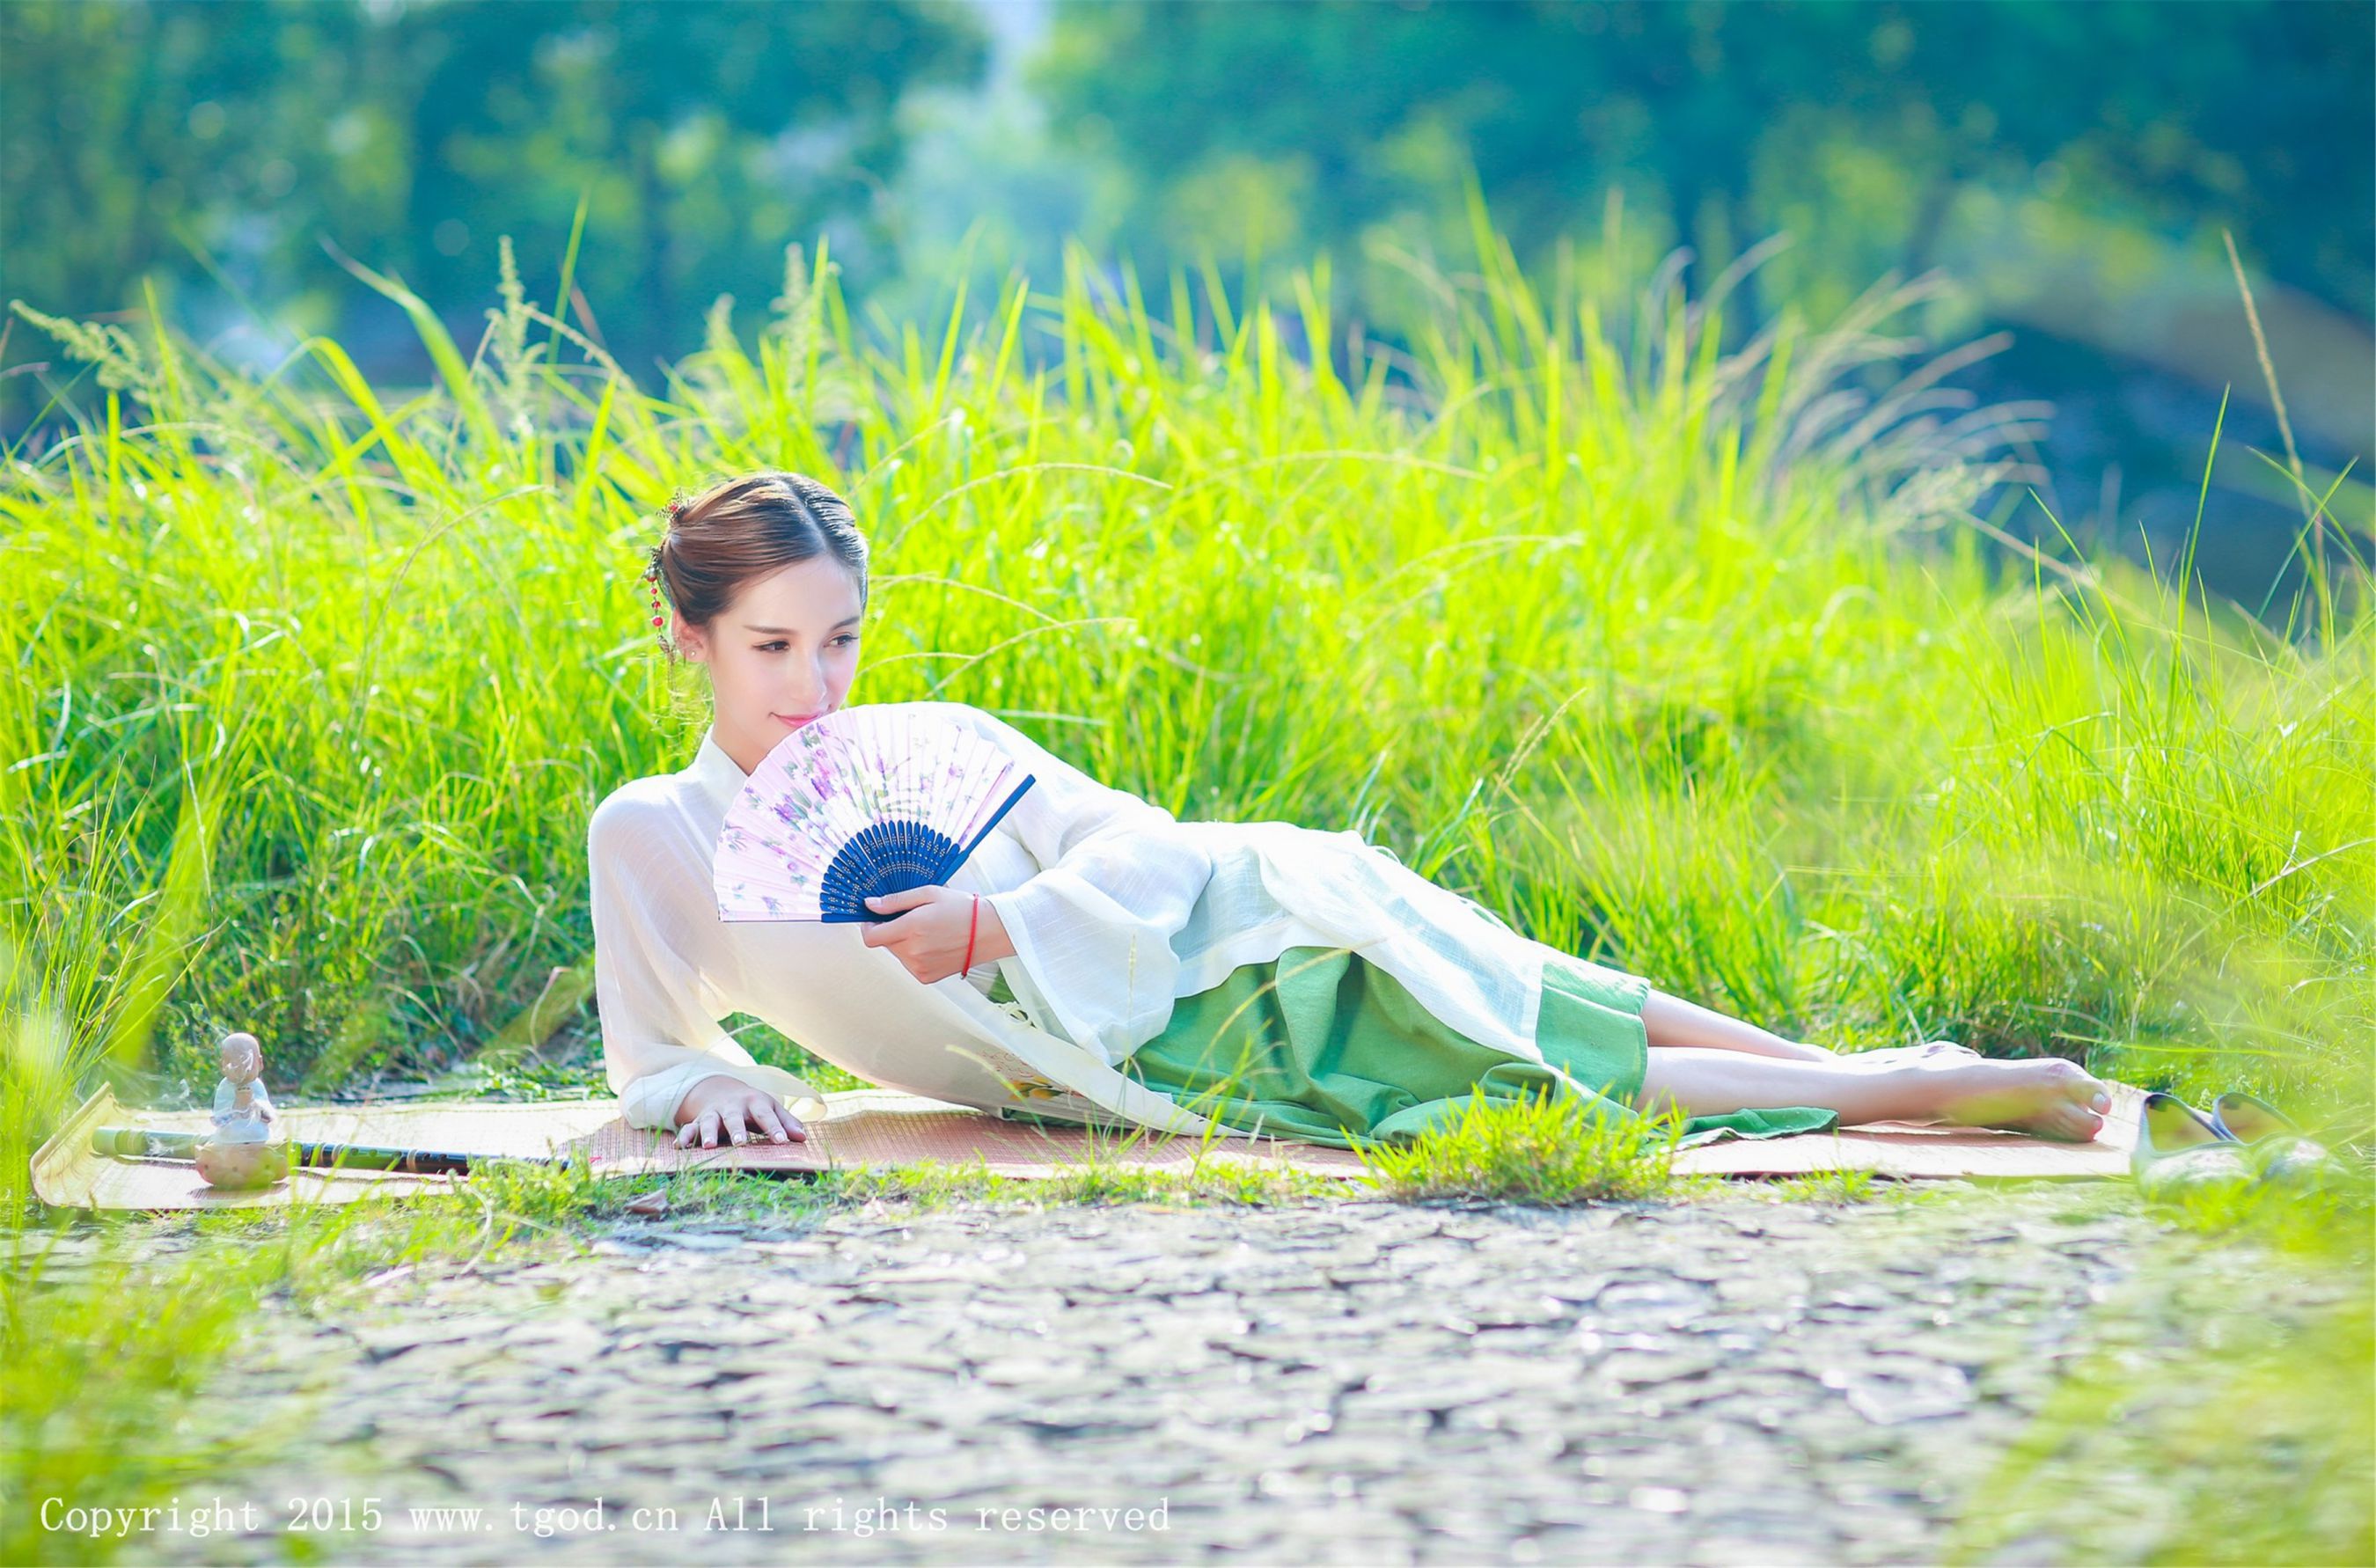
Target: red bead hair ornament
<point>652,575</point>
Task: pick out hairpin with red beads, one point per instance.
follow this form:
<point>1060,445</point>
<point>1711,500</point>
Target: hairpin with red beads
<point>676,508</point>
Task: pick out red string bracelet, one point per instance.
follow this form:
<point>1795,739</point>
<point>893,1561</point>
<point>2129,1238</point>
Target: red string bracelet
<point>972,924</point>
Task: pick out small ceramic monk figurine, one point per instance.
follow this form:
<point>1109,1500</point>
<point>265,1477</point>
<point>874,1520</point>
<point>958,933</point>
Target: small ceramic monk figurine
<point>242,1110</point>
<point>245,1150</point>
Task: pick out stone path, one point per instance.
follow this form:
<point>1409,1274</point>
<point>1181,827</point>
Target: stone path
<point>1735,1381</point>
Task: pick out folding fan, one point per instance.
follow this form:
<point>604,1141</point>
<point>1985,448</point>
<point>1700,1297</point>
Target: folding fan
<point>858,803</point>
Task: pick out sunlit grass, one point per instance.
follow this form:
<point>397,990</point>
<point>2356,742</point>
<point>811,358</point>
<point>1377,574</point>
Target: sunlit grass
<point>1831,1187</point>
<point>113,1343</point>
<point>1534,1149</point>
<point>1679,658</point>
<point>103,1369</point>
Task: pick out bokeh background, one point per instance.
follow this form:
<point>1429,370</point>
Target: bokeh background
<point>2072,169</point>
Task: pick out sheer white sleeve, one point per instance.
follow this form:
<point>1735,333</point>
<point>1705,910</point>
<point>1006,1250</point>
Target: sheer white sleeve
<point>1118,878</point>
<point>655,957</point>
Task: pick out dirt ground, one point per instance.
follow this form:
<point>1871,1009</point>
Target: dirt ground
<point>1735,1381</point>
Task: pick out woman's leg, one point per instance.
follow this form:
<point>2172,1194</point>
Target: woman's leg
<point>2042,1095</point>
<point>1671,1022</point>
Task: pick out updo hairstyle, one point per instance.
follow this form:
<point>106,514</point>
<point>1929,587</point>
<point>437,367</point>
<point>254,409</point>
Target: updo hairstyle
<point>741,529</point>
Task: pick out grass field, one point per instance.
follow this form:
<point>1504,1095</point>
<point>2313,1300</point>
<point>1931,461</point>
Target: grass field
<point>1694,659</point>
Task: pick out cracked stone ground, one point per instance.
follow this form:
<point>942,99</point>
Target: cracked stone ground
<point>1734,1381</point>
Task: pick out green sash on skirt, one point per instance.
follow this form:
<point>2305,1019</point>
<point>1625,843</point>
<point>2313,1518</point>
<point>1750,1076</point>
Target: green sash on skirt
<point>1337,1052</point>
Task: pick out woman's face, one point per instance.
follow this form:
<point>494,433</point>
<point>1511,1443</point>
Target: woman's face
<point>783,653</point>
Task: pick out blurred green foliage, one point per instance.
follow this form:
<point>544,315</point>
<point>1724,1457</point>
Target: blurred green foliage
<point>2074,168</point>
<point>2253,114</point>
<point>179,139</point>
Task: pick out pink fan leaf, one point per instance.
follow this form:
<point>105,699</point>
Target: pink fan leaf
<point>826,784</point>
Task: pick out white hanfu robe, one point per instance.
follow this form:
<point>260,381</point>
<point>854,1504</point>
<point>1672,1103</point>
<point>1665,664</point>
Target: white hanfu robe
<point>1115,907</point>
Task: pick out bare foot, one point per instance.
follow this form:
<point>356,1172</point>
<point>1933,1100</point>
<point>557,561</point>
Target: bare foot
<point>2045,1094</point>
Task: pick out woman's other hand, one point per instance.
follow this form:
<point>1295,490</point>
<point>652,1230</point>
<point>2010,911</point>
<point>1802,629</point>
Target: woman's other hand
<point>930,936</point>
<point>722,1103</point>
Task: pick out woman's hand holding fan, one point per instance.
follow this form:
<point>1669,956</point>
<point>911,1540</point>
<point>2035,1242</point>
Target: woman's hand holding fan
<point>861,817</point>
<point>930,936</point>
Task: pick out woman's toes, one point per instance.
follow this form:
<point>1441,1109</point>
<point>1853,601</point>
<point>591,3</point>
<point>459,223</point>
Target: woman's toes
<point>2083,1089</point>
<point>2064,1123</point>
<point>2047,1096</point>
<point>2079,1113</point>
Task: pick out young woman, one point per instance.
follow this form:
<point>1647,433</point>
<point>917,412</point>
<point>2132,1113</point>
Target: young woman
<point>1127,964</point>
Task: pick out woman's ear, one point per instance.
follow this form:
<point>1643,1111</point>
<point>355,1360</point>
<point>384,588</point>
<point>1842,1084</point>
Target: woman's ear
<point>687,641</point>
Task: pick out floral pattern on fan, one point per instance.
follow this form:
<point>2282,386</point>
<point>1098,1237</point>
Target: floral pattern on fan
<point>864,802</point>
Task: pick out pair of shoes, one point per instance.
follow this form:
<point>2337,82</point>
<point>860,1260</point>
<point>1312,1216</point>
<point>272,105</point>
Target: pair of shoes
<point>2274,1145</point>
<point>2179,1147</point>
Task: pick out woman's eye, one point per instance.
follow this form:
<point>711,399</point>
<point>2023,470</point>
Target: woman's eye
<point>770,647</point>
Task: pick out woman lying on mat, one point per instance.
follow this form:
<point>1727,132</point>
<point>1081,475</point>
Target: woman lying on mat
<point>1094,959</point>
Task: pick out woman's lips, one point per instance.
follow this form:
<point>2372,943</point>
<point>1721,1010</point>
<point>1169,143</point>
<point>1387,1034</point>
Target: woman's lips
<point>794,722</point>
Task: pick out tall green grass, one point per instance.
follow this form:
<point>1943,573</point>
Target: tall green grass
<point>1693,659</point>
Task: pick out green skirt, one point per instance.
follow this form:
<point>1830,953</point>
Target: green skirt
<point>1322,1046</point>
